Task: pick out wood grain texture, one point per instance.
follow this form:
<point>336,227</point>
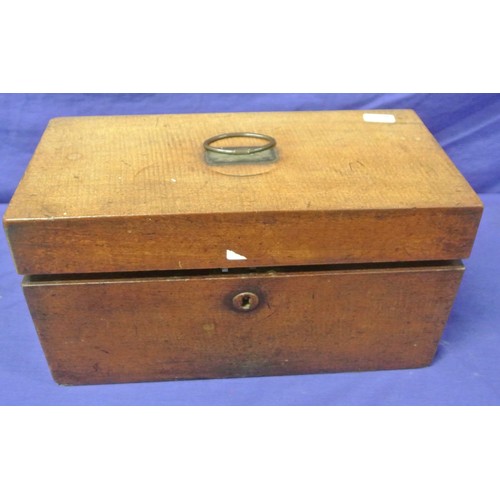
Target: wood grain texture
<point>106,194</point>
<point>144,329</point>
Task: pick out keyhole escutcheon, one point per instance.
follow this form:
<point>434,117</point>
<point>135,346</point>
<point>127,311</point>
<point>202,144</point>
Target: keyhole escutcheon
<point>245,301</point>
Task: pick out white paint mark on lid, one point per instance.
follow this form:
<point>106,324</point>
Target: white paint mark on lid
<point>230,255</point>
<point>379,118</point>
<point>173,180</point>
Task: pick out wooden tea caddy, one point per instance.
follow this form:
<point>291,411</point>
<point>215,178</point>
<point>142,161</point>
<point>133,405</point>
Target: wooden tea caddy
<point>152,253</point>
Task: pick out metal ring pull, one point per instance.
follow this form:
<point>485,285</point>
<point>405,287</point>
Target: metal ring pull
<point>271,142</point>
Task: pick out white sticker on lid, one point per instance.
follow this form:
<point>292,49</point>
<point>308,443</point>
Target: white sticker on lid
<point>230,255</point>
<point>379,118</point>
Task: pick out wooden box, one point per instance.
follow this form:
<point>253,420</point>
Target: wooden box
<point>149,256</point>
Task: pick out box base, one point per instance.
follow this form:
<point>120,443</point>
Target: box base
<point>160,326</point>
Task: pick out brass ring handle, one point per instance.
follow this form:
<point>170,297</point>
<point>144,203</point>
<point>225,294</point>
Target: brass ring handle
<point>271,142</point>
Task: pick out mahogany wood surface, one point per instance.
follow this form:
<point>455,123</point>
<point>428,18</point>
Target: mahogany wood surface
<point>105,330</point>
<point>133,193</point>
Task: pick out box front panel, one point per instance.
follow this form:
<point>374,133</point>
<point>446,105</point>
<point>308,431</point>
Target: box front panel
<point>164,328</point>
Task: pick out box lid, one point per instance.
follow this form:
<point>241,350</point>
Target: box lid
<point>135,193</point>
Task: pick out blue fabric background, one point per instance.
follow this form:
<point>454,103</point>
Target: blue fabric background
<point>466,369</point>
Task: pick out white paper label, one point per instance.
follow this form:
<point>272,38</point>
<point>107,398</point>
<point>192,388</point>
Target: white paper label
<point>378,118</point>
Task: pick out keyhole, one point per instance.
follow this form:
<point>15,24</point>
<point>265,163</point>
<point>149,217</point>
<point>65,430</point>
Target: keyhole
<point>245,301</point>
